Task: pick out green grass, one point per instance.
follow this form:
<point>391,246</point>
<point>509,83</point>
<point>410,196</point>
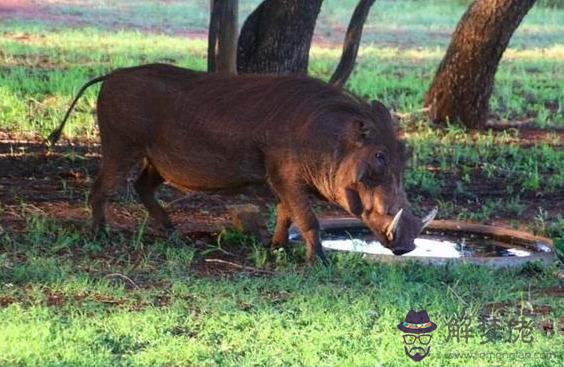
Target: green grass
<point>71,305</point>
<point>68,299</point>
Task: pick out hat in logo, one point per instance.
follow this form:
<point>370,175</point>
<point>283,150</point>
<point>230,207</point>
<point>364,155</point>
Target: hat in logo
<point>417,322</point>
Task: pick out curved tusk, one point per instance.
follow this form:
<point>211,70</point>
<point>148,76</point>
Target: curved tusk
<point>393,226</point>
<point>429,218</point>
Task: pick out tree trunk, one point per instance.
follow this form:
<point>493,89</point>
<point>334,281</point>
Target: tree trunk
<point>352,41</point>
<point>276,37</point>
<point>222,36</point>
<point>463,84</point>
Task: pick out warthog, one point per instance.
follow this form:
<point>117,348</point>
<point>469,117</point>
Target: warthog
<point>205,132</point>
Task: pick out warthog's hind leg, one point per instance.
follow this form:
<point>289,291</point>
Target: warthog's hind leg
<point>113,172</point>
<point>146,186</point>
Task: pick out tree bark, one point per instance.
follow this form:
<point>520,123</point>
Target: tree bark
<point>276,37</point>
<point>222,36</point>
<point>464,80</point>
<point>352,41</point>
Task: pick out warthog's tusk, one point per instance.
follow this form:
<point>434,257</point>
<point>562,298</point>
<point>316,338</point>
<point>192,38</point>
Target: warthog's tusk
<point>429,218</point>
<point>393,226</point>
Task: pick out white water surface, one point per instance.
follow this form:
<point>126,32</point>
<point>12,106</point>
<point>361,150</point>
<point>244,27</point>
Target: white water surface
<point>424,247</point>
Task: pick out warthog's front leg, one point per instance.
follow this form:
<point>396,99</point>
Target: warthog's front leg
<point>295,199</point>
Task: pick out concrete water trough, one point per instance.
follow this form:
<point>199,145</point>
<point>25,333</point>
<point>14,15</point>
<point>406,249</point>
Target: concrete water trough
<point>442,241</point>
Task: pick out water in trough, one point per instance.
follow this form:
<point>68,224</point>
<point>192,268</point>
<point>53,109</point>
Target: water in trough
<point>355,237</point>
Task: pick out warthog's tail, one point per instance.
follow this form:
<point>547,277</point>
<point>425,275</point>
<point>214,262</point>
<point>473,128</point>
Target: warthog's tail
<point>55,135</point>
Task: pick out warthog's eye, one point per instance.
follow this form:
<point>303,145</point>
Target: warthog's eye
<point>381,159</point>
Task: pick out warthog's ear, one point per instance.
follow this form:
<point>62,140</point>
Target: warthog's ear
<point>382,113</point>
<point>353,201</point>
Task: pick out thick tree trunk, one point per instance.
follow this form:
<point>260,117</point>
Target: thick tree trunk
<point>463,84</point>
<point>222,36</point>
<point>276,37</point>
<point>352,41</point>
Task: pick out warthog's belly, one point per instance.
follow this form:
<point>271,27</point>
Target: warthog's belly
<point>202,171</point>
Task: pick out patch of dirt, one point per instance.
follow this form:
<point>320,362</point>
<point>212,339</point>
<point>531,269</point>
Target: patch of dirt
<point>522,134</point>
<point>548,327</point>
<point>529,135</point>
<point>49,13</point>
<point>34,10</point>
<point>15,6</point>
<point>55,299</point>
<point>555,291</point>
<point>7,300</point>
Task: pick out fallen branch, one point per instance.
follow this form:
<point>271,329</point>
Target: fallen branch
<point>118,275</point>
<point>506,124</point>
<point>239,266</point>
<point>175,201</point>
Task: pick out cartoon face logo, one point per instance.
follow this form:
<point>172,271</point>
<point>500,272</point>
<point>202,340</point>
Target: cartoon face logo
<point>417,328</point>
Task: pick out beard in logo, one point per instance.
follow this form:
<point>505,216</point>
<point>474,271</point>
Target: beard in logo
<point>417,353</point>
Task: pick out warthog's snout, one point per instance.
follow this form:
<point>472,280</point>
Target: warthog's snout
<point>403,229</point>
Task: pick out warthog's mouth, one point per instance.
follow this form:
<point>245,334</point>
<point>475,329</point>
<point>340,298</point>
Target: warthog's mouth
<point>401,251</point>
<point>398,233</point>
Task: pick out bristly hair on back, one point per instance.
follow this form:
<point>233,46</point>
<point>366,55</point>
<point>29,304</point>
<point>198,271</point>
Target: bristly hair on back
<point>270,98</point>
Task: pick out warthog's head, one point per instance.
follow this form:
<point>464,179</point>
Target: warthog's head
<point>369,182</point>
